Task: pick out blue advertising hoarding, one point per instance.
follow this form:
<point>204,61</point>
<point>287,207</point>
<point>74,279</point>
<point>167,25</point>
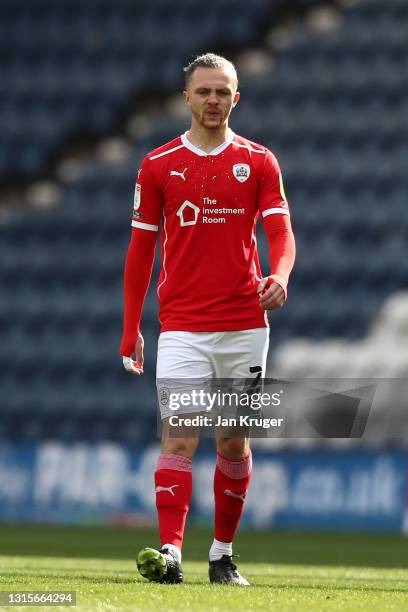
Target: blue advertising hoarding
<point>109,483</point>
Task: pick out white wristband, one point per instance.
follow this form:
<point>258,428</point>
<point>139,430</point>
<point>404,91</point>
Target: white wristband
<point>128,364</point>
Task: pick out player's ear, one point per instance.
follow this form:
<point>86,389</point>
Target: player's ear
<point>235,101</point>
<point>186,96</point>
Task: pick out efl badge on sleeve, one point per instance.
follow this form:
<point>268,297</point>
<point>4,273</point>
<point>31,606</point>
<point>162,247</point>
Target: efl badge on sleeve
<point>241,172</point>
<point>282,189</point>
<point>138,196</point>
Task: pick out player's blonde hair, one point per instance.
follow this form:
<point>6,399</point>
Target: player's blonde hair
<point>208,60</point>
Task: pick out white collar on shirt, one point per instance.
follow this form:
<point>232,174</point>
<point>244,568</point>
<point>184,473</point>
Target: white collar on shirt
<point>215,151</point>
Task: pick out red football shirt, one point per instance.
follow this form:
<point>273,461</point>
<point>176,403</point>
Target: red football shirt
<point>208,205</point>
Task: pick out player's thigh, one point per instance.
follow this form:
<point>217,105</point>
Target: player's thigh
<point>240,361</point>
<point>183,367</point>
<point>243,354</point>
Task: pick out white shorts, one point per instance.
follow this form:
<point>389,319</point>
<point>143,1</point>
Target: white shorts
<point>203,356</point>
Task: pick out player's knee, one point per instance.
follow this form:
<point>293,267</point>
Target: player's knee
<point>233,448</point>
<point>180,446</point>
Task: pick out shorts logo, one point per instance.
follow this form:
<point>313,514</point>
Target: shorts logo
<point>138,196</point>
<point>241,172</point>
<point>164,396</point>
<point>188,213</point>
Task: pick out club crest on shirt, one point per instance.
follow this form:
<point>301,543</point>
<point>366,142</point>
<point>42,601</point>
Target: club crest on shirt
<point>138,196</point>
<point>241,172</point>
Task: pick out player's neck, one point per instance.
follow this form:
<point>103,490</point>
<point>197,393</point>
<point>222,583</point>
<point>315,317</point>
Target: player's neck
<point>208,140</point>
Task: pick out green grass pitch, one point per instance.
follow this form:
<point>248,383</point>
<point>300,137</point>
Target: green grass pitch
<point>287,571</point>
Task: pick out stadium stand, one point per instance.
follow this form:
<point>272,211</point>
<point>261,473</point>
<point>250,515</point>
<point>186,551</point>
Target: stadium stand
<point>382,353</point>
<point>69,70</point>
<point>332,109</point>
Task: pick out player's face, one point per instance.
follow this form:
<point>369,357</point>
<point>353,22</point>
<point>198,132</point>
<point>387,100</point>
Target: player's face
<point>212,94</point>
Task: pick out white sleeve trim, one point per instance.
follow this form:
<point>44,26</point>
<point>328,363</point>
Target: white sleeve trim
<point>167,152</point>
<point>275,211</point>
<point>145,226</point>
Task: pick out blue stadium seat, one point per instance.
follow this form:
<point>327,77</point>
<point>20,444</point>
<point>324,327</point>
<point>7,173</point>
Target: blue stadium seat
<point>332,109</point>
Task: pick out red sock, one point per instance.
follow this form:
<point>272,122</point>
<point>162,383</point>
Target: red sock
<point>231,483</point>
<point>173,480</point>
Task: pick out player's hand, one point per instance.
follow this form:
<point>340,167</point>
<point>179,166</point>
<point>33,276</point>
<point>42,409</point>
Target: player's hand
<point>135,366</point>
<point>271,295</point>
